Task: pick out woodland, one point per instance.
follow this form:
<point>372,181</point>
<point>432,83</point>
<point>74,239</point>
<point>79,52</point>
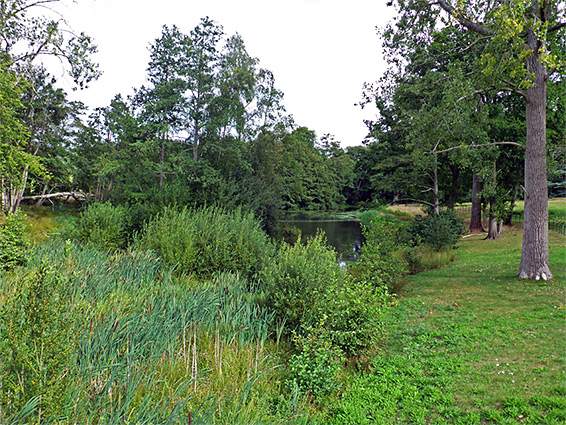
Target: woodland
<point>164,293</point>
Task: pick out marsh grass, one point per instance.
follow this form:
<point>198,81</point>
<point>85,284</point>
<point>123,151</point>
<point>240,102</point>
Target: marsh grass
<point>43,223</point>
<point>150,346</point>
<point>469,344</point>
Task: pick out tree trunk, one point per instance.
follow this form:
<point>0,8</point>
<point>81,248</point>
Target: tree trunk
<point>454,187</point>
<point>509,218</point>
<point>484,212</point>
<point>436,201</point>
<point>534,257</point>
<point>162,163</point>
<point>493,228</point>
<point>475,219</point>
<point>39,202</point>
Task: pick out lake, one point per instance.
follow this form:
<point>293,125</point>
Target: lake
<point>345,235</point>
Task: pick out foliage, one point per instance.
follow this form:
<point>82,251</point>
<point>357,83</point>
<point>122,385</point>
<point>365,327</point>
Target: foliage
<point>462,344</point>
<point>439,231</point>
<point>382,263</point>
<point>104,225</point>
<point>142,343</point>
<point>298,277</point>
<point>38,345</point>
<point>314,368</point>
<point>14,245</point>
<point>208,240</point>
<point>352,315</point>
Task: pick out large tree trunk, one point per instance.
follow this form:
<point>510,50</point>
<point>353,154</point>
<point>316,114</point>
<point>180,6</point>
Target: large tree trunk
<point>475,220</point>
<point>534,257</point>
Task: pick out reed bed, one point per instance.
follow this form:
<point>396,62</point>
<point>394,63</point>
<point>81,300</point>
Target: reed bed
<point>147,347</point>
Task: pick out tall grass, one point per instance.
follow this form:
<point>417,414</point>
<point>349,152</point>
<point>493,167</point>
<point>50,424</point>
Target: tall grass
<point>149,348</point>
<point>209,240</point>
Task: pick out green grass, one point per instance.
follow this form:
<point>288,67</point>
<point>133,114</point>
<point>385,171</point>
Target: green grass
<point>556,209</point>
<point>469,344</point>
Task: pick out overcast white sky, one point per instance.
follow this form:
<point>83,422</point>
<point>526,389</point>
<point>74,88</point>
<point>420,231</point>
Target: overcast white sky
<point>320,51</point>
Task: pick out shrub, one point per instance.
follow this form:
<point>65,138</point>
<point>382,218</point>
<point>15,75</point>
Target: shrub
<point>298,279</point>
<point>382,262</point>
<point>14,246</point>
<point>103,225</point>
<point>352,315</point>
<point>439,231</point>
<point>314,368</point>
<point>208,240</point>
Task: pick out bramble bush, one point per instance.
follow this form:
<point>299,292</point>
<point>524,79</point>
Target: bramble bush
<point>14,246</point>
<point>314,368</point>
<point>352,314</point>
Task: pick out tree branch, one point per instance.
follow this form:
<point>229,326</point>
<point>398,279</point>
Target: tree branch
<point>557,27</point>
<point>477,146</point>
<point>462,20</point>
<point>418,201</point>
<point>507,89</point>
<point>77,195</point>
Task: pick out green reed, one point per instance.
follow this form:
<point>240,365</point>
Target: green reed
<point>147,345</point>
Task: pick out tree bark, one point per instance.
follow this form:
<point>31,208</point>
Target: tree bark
<point>454,187</point>
<point>436,200</point>
<point>492,227</point>
<point>162,163</point>
<point>534,257</point>
<point>475,219</point>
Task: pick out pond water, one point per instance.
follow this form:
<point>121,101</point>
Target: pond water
<point>344,235</point>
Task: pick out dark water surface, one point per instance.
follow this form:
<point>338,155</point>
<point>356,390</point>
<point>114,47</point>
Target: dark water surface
<point>344,235</point>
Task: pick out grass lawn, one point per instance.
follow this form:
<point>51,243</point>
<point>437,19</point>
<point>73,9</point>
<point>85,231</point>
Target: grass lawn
<point>470,344</point>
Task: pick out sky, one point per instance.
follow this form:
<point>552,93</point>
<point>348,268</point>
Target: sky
<point>320,51</point>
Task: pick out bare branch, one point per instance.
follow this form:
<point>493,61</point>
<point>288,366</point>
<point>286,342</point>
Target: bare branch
<point>463,20</point>
<point>557,27</point>
<point>77,195</point>
<point>478,146</point>
<point>418,201</point>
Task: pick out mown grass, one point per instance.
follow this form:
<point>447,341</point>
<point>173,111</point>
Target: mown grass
<point>556,208</point>
<point>469,344</point>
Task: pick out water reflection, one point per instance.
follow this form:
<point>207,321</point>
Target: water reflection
<point>344,235</point>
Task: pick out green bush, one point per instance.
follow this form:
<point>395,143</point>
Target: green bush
<point>314,368</point>
<point>208,240</point>
<point>352,315</point>
<point>439,231</point>
<point>381,262</point>
<point>103,225</point>
<point>14,246</point>
<point>298,278</point>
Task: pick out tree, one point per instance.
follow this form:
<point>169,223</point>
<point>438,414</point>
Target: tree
<point>163,105</point>
<point>201,57</point>
<point>26,35</point>
<point>519,59</point>
<point>13,139</point>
